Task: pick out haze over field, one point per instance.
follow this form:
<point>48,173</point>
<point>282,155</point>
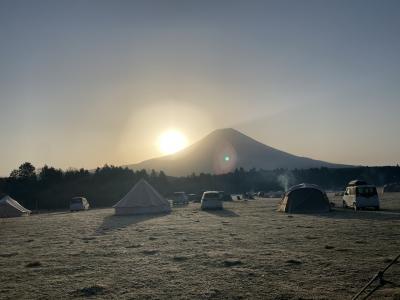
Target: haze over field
<point>84,83</point>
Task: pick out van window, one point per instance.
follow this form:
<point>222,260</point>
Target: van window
<point>366,191</point>
<point>76,201</point>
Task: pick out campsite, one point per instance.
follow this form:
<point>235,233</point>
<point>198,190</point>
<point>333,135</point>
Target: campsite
<point>247,251</point>
<point>186,149</point>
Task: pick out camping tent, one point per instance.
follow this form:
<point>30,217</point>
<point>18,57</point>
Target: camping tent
<point>11,208</point>
<point>142,199</point>
<point>391,187</point>
<point>304,198</point>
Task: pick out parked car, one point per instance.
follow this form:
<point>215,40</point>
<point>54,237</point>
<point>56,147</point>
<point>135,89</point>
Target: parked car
<point>78,203</point>
<point>248,196</point>
<point>225,196</point>
<point>211,200</point>
<point>274,194</point>
<point>180,198</point>
<point>194,197</point>
<point>359,194</point>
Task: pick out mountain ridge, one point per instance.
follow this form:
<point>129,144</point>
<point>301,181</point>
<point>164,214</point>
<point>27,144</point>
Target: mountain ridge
<point>223,150</point>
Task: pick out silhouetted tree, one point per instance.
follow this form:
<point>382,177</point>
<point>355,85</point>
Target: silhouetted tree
<point>50,174</point>
<point>25,171</point>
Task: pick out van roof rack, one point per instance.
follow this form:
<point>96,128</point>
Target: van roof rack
<point>357,182</point>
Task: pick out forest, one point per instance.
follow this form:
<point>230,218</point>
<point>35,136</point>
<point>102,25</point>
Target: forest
<point>52,188</point>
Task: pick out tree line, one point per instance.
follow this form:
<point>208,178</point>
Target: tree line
<point>52,188</point>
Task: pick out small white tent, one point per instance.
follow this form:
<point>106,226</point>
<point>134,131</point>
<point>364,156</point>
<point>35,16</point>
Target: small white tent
<point>142,199</point>
<point>10,208</point>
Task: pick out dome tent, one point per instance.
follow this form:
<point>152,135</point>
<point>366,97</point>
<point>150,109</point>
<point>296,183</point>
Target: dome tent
<point>142,199</point>
<point>305,198</point>
<point>11,208</point>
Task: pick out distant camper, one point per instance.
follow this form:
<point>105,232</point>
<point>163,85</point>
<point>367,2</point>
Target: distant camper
<point>359,194</point>
<point>78,203</point>
<point>180,198</point>
<point>211,200</point>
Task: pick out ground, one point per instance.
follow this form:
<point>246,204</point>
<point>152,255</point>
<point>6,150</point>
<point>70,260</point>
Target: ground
<point>247,251</point>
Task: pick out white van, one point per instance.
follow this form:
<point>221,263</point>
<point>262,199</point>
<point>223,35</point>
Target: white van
<point>359,194</point>
<point>211,200</point>
<point>78,203</point>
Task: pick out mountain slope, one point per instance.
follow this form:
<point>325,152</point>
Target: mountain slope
<point>222,151</point>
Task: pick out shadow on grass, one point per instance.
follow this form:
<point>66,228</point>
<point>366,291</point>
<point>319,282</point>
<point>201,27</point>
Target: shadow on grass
<point>225,213</point>
<point>350,214</point>
<point>180,205</point>
<point>50,212</point>
<point>114,222</point>
<point>343,213</point>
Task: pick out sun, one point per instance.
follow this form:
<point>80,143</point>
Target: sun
<point>171,141</point>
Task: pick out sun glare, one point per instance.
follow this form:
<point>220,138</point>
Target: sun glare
<point>171,141</point>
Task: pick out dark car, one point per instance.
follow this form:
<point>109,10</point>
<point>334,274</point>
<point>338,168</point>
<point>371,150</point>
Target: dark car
<point>225,196</point>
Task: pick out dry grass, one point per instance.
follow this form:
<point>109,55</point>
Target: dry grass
<point>248,251</point>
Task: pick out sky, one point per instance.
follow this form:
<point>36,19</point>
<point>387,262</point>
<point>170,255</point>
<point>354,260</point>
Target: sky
<point>84,83</point>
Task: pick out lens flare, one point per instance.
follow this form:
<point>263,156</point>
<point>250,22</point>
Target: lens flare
<point>225,158</point>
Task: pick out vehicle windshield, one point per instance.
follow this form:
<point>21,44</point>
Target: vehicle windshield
<point>76,201</point>
<point>211,195</point>
<point>366,191</point>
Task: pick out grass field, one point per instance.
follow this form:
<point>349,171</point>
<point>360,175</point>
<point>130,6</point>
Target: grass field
<point>248,251</point>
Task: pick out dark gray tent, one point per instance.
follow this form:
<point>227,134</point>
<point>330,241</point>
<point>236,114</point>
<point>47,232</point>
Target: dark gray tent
<point>304,198</point>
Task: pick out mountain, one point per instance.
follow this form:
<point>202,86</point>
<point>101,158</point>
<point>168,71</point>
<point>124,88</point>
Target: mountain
<point>222,151</point>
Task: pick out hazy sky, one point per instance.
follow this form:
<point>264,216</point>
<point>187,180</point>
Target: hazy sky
<point>84,83</point>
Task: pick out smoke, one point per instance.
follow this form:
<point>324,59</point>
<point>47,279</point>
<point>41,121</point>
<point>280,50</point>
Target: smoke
<point>286,180</point>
